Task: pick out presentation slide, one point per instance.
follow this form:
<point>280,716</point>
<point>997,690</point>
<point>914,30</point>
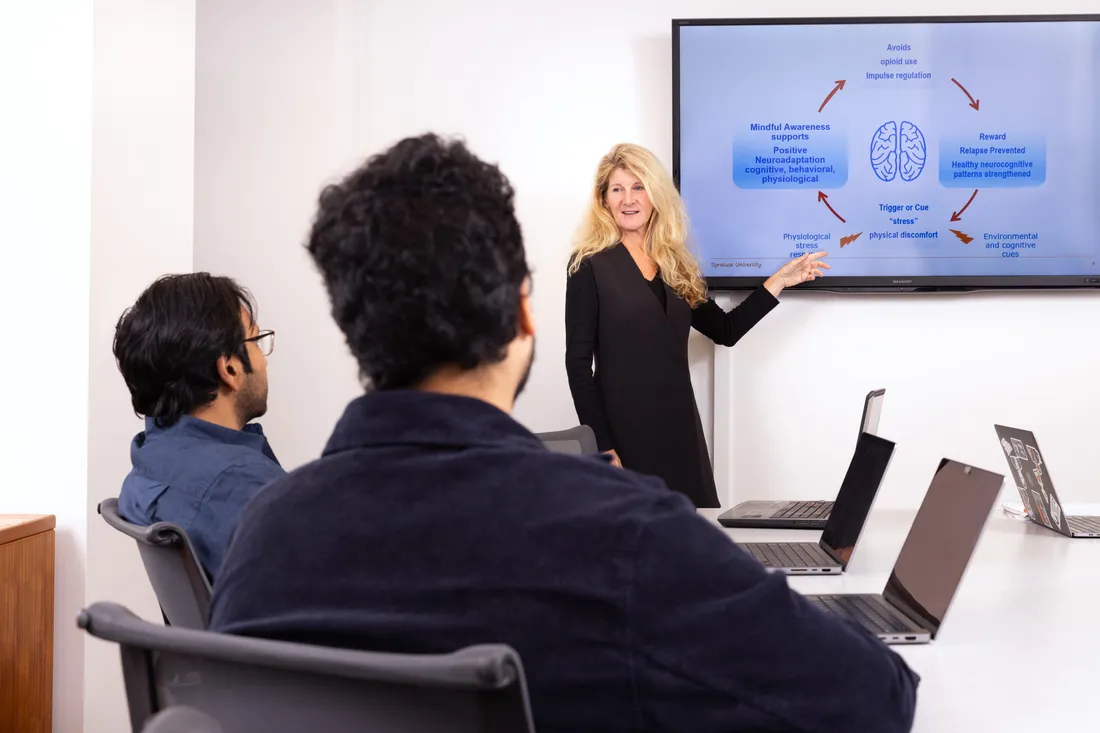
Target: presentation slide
<point>932,149</point>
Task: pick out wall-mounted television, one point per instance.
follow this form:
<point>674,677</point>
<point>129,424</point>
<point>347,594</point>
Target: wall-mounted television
<point>924,154</point>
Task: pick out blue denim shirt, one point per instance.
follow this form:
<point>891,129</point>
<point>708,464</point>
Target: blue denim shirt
<point>198,475</point>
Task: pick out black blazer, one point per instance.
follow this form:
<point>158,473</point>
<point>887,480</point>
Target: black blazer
<point>639,401</point>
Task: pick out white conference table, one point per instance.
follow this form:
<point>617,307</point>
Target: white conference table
<point>1019,646</point>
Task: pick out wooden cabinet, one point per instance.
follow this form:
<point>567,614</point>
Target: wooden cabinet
<point>26,622</point>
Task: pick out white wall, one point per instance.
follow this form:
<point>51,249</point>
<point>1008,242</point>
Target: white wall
<point>45,177</point>
<point>545,90</point>
<point>273,120</point>
<point>142,214</point>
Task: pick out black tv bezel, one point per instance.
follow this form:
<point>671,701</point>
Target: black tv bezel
<point>867,283</point>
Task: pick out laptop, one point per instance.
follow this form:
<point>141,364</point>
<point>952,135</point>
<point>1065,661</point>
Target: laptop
<point>831,554</point>
<point>930,566</point>
<point>799,514</point>
<point>1032,477</point>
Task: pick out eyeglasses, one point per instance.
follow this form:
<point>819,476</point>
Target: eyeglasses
<point>265,342</point>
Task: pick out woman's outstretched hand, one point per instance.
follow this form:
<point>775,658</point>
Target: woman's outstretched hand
<point>799,270</point>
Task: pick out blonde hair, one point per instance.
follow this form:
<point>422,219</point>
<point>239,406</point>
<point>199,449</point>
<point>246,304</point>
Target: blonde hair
<point>666,230</point>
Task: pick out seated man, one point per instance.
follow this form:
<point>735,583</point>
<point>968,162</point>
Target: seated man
<point>196,365</point>
<point>434,520</point>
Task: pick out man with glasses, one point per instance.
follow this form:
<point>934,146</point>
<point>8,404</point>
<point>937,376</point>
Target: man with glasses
<point>195,362</point>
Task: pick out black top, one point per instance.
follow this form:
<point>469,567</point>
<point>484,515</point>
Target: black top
<point>434,522</point>
<point>657,285</point>
<point>639,400</point>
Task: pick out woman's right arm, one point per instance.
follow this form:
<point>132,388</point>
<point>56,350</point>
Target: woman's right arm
<point>582,307</point>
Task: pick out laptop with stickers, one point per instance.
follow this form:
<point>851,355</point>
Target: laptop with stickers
<point>1031,475</point>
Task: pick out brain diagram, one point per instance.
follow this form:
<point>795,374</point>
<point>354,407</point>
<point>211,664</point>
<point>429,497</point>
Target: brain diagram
<point>898,150</point>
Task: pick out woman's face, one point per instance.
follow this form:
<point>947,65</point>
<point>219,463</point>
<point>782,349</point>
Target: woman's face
<point>628,201</point>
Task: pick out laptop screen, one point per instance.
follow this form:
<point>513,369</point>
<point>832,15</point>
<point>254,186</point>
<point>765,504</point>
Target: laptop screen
<point>1032,478</point>
<point>857,494</point>
<point>941,540</point>
<point>872,411</point>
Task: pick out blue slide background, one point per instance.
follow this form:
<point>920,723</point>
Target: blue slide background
<point>1036,82</point>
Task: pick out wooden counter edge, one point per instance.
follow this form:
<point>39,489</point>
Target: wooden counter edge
<point>17,526</point>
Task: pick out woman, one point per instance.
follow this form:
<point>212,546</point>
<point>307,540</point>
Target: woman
<point>634,293</point>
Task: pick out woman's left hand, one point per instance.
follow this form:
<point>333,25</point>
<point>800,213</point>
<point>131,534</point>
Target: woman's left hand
<point>799,270</point>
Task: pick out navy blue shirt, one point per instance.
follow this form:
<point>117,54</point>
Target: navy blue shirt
<point>434,522</point>
<point>198,475</point>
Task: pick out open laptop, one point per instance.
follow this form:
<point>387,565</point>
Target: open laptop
<point>831,554</point>
<point>799,514</point>
<point>1032,477</point>
<point>931,563</point>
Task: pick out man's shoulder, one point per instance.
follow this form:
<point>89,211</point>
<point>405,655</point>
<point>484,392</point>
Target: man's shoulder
<point>136,496</point>
<point>594,471</point>
<point>530,477</point>
<point>248,461</point>
<point>572,477</point>
<point>250,472</point>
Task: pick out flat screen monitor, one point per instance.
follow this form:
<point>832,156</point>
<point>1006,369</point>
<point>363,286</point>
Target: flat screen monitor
<point>923,154</point>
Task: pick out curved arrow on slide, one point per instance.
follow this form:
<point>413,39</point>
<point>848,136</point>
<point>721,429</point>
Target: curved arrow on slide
<point>824,198</point>
<point>839,85</point>
<point>973,102</point>
<point>957,215</point>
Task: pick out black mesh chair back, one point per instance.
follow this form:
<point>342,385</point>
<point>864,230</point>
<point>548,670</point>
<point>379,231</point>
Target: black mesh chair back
<point>579,440</point>
<point>248,685</point>
<point>181,585</point>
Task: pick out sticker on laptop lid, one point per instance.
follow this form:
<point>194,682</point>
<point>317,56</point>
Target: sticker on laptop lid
<point>1036,457</point>
<point>1039,508</point>
<point>1021,480</point>
<point>1026,501</point>
<point>1007,446</point>
<point>1055,512</point>
<point>1019,446</point>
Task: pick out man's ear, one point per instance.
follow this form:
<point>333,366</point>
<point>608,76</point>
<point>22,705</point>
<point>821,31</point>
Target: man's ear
<point>526,320</point>
<point>230,371</point>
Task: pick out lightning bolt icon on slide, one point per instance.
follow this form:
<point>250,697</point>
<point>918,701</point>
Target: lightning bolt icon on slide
<point>964,238</point>
<point>849,239</point>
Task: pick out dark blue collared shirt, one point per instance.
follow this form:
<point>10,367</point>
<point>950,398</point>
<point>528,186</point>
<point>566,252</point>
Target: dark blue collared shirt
<point>200,476</point>
<point>434,522</point>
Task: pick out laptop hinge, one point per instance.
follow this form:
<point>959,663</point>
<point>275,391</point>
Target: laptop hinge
<point>894,599</point>
<point>829,551</point>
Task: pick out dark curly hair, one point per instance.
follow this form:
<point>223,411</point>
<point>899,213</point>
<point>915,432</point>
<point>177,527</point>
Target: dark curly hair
<point>423,260</point>
<point>168,344</point>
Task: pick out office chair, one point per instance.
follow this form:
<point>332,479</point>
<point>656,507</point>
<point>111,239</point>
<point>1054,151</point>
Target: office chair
<point>249,685</point>
<point>578,441</point>
<point>181,585</point>
<point>181,719</point>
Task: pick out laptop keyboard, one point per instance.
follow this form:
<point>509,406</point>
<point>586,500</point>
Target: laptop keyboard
<point>805,510</point>
<point>870,612</point>
<point>1084,524</point>
<point>789,554</point>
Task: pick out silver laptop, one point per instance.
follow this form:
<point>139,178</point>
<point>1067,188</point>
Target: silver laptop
<point>932,561</point>
<point>1032,477</point>
<point>786,514</point>
<point>832,553</point>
